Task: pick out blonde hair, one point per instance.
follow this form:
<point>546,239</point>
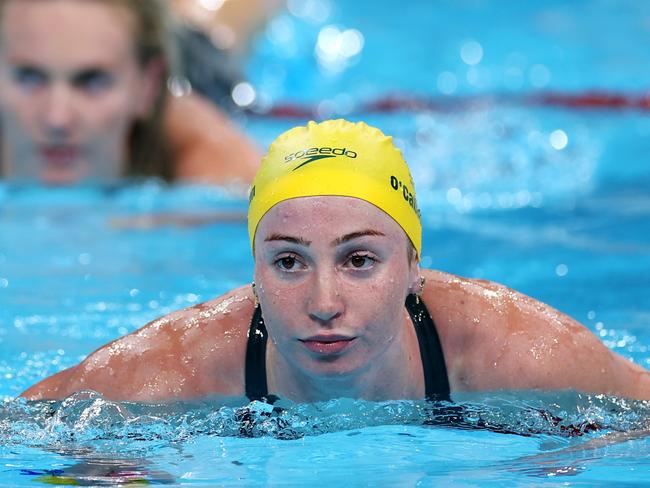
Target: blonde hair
<point>149,154</point>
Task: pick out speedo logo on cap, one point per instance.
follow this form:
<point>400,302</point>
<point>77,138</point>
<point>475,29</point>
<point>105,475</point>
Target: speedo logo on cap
<point>306,156</point>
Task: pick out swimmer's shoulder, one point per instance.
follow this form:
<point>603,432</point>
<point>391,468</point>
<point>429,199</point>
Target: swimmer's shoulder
<point>450,295</point>
<point>479,322</point>
<point>469,303</point>
<point>195,352</point>
<point>496,338</point>
<point>200,135</point>
<point>456,305</point>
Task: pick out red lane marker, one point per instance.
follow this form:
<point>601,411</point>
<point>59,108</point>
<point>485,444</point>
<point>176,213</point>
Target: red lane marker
<point>404,103</point>
<point>291,111</point>
<point>589,100</point>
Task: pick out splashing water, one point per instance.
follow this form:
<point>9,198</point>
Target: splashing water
<point>87,418</point>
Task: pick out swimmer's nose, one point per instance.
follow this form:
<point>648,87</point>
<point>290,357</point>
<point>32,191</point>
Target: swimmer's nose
<point>325,303</point>
<point>59,111</point>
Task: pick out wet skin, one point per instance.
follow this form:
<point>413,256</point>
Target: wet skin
<point>67,103</point>
<point>332,274</point>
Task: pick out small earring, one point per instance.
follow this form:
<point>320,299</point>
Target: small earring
<point>419,292</point>
<point>256,300</point>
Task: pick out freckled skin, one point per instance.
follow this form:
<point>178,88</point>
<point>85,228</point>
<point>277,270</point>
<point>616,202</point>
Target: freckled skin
<point>147,365</point>
<point>521,343</point>
<point>493,338</point>
<point>352,288</point>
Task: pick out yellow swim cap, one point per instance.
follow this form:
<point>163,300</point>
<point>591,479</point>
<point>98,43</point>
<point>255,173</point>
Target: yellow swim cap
<point>337,158</point>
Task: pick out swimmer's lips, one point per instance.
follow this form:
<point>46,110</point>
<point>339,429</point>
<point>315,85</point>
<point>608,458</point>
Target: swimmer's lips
<point>60,156</point>
<point>327,344</point>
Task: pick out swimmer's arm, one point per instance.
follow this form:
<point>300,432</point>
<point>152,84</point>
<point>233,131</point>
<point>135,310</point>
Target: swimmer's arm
<point>557,352</point>
<point>52,388</point>
<point>188,354</point>
<point>206,146</point>
<point>495,338</point>
<point>119,371</point>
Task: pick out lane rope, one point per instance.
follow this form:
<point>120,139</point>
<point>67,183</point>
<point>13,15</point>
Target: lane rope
<point>590,100</point>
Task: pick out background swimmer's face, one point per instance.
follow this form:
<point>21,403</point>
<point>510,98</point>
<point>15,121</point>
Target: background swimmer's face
<point>332,267</point>
<point>70,89</point>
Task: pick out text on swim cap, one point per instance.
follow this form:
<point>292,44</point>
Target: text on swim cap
<point>316,153</point>
<point>397,185</point>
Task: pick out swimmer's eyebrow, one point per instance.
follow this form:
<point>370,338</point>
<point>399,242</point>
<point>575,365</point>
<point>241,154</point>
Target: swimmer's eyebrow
<point>293,240</point>
<point>355,235</point>
<point>336,242</point>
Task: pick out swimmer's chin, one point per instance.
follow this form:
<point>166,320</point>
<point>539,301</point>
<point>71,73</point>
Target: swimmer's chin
<point>59,177</point>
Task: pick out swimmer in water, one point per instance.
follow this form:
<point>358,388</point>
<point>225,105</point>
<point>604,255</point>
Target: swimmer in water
<point>340,307</point>
<point>83,97</point>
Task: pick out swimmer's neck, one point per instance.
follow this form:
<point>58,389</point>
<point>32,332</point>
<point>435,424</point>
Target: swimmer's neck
<point>397,374</point>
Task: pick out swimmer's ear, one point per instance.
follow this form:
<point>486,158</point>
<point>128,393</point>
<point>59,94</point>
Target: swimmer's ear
<point>151,86</point>
<point>415,276</point>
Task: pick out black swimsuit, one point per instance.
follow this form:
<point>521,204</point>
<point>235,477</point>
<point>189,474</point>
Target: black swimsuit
<point>436,383</point>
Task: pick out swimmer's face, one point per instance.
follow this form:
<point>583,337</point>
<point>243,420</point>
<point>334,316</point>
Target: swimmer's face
<point>332,275</point>
<point>71,88</point>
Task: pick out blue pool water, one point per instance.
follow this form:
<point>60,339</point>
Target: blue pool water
<point>552,200</point>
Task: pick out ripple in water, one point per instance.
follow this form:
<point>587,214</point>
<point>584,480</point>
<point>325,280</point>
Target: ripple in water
<point>86,418</point>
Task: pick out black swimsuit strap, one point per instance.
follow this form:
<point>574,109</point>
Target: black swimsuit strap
<point>436,383</point>
<point>433,362</point>
<point>256,386</point>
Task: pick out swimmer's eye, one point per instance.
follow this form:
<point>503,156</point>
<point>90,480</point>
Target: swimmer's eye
<point>361,261</point>
<point>93,81</point>
<point>29,78</point>
<point>288,263</point>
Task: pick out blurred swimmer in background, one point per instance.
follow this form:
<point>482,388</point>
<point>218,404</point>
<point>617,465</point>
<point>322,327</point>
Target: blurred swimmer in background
<point>83,97</point>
